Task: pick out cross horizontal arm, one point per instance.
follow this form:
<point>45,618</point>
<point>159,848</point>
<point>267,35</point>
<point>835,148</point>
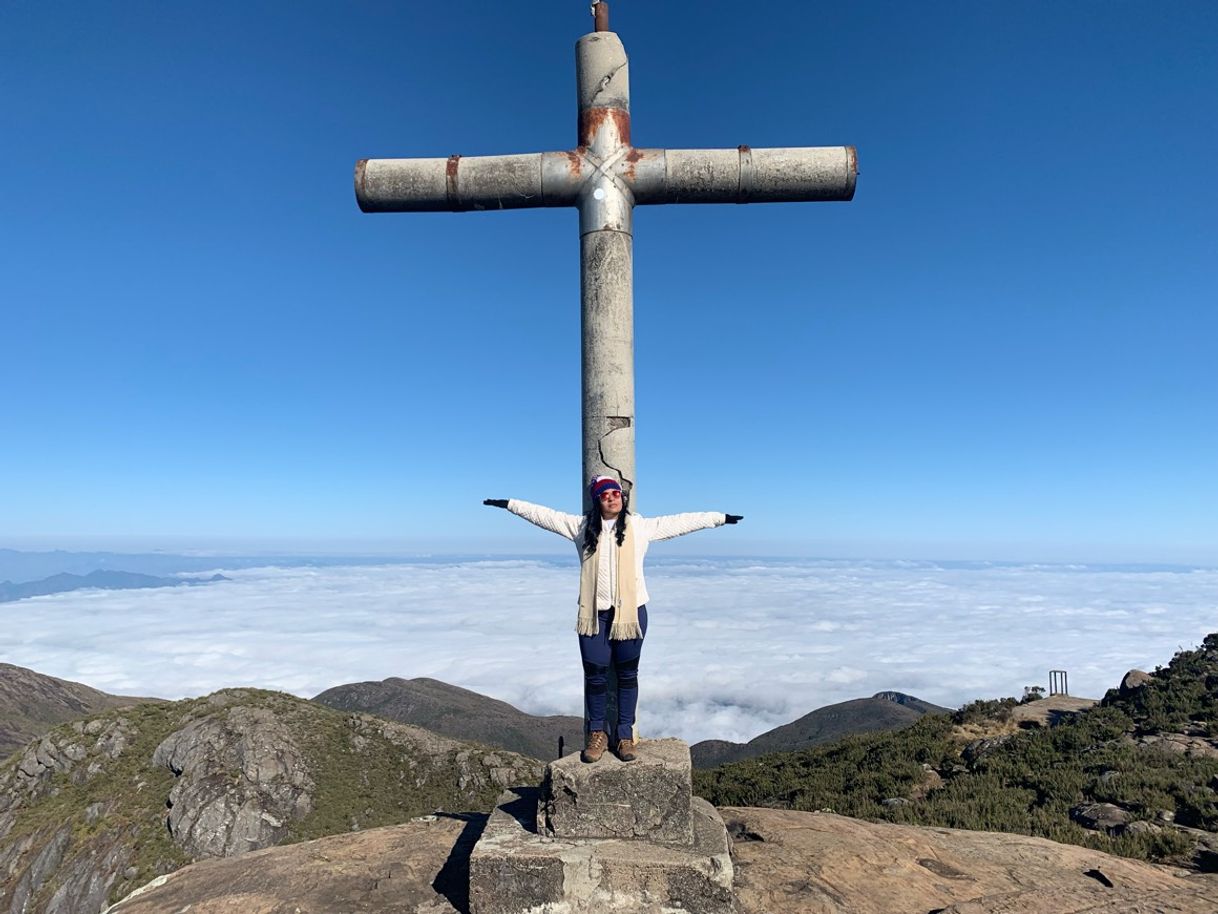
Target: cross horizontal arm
<point>648,176</point>
<point>745,175</point>
<point>454,184</point>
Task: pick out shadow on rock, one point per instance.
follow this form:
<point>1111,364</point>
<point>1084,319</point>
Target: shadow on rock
<point>453,879</point>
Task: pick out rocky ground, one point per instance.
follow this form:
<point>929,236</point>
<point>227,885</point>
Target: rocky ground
<point>100,806</point>
<point>789,862</point>
<point>826,864</point>
<point>402,869</point>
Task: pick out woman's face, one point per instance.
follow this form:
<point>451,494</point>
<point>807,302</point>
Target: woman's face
<point>611,504</point>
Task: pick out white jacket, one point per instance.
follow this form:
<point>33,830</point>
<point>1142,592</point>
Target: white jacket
<point>646,530</point>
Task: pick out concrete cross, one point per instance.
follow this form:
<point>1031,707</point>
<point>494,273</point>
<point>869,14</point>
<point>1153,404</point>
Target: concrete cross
<point>605,177</point>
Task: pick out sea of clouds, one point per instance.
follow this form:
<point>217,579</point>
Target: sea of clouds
<point>735,647</point>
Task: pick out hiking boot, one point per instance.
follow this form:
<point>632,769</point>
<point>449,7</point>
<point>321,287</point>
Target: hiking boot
<point>625,750</point>
<point>594,748</point>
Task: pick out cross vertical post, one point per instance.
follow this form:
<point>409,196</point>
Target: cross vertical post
<point>606,260</point>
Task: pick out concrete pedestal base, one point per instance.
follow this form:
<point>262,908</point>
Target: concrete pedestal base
<point>514,870</point>
<point>644,800</point>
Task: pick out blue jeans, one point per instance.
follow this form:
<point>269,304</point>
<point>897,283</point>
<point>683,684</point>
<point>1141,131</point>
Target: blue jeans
<point>598,652</point>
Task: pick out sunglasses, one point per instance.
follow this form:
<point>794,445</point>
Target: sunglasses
<point>611,493</point>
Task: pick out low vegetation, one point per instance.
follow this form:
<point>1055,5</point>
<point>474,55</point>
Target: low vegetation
<point>944,771</point>
<point>366,779</point>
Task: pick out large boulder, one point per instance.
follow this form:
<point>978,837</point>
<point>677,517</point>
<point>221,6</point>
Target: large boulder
<point>1134,680</point>
<point>1188,745</point>
<point>241,782</point>
<point>1105,817</point>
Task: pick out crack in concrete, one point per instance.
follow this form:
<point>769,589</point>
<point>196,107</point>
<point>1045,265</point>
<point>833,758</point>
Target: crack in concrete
<point>605,81</point>
<point>618,423</point>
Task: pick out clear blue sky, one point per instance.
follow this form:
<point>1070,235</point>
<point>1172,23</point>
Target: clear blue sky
<point>1004,347</point>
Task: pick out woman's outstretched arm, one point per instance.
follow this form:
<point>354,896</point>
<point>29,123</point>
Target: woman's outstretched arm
<point>565,525</point>
<point>668,526</point>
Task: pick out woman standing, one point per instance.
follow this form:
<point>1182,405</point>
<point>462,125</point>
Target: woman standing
<point>613,596</point>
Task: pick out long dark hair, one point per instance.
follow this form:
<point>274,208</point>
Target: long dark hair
<point>592,525</point>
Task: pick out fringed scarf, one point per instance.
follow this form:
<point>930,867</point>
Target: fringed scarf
<point>626,607</point>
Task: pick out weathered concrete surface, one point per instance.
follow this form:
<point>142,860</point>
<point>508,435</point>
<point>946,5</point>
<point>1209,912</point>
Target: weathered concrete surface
<point>607,352</point>
<point>513,870</point>
<point>403,869</point>
<point>647,799</point>
<point>817,863</point>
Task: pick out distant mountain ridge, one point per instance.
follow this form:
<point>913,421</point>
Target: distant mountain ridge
<point>462,714</point>
<point>458,713</point>
<point>21,566</point>
<point>883,711</point>
<point>65,582</point>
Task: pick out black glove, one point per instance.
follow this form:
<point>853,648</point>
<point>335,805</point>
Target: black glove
<point>733,518</point>
<point>496,502</point>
